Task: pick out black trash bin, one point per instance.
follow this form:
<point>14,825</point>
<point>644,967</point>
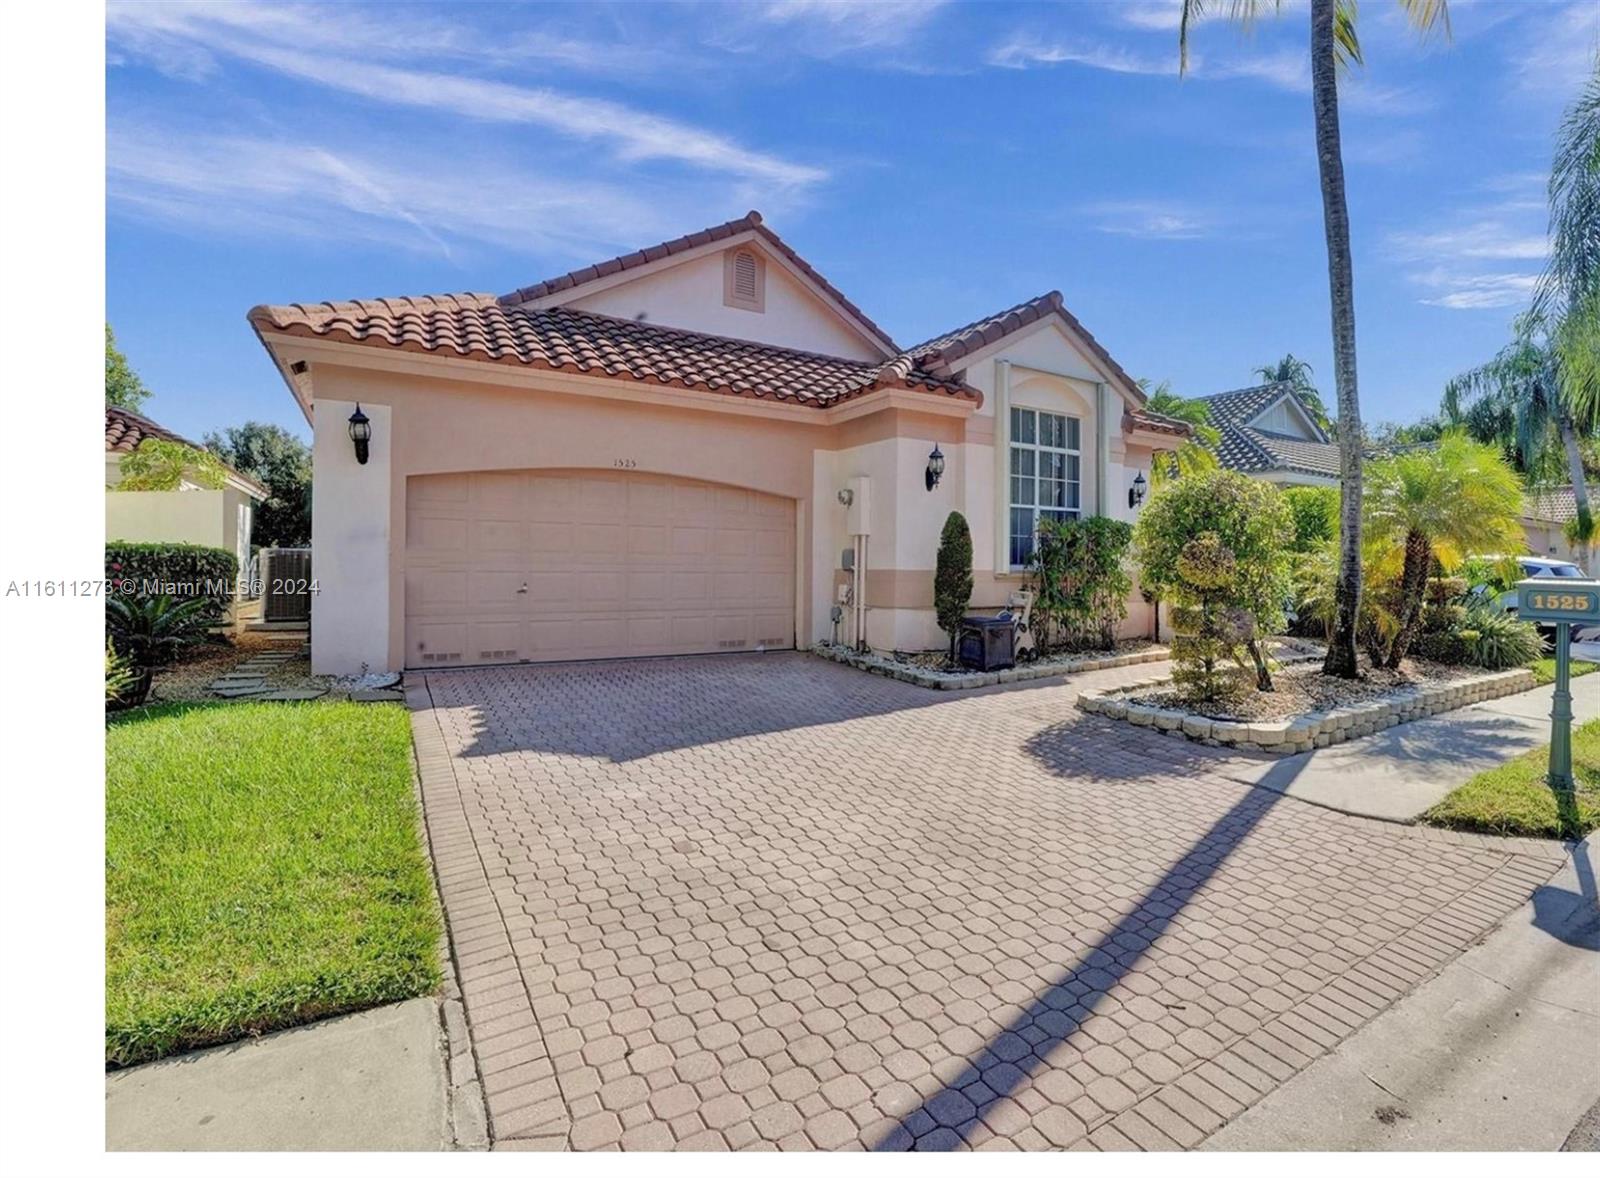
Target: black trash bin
<point>987,644</point>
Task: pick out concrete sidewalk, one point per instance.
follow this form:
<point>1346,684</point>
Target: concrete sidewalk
<point>372,1081</point>
<point>1500,1051</point>
<point>1398,773</point>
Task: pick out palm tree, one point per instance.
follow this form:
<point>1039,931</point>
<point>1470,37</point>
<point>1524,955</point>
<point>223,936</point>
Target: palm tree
<point>1523,387</point>
<point>1443,503</point>
<point>1569,290</point>
<point>1334,45</point>
<point>1196,454</point>
<point>1296,373</point>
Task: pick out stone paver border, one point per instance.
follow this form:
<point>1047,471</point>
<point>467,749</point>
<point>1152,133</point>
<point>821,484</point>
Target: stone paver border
<point>940,681</point>
<point>1314,729</point>
<point>502,1084</point>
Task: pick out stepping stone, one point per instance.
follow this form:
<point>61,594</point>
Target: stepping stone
<point>240,692</point>
<point>377,695</point>
<point>295,694</point>
<point>238,681</point>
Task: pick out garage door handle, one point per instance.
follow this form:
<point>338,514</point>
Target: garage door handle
<point>524,588</point>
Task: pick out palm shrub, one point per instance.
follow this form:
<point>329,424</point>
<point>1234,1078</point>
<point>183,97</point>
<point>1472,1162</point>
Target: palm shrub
<point>149,631</point>
<point>1252,523</point>
<point>952,576</point>
<point>1437,504</point>
<point>1080,581</point>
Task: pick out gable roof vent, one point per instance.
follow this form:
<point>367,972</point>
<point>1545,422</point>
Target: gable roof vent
<point>744,280</point>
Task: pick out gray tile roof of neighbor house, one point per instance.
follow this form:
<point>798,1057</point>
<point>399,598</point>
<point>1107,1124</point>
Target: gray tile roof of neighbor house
<point>1245,447</point>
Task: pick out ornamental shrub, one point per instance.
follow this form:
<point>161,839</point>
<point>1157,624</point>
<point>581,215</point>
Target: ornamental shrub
<point>1218,547</point>
<point>179,571</point>
<point>1080,582</point>
<point>952,576</point>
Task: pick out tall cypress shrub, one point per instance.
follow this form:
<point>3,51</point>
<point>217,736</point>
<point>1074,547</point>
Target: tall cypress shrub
<point>952,576</point>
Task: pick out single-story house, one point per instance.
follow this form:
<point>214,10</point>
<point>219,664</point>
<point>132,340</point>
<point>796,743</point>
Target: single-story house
<point>1269,434</point>
<point>193,514</point>
<point>701,446</point>
<point>1545,516</point>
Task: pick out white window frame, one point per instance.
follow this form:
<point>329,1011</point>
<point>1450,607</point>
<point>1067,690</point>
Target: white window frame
<point>1036,454</point>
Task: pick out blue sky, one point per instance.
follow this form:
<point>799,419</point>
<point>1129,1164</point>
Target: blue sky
<point>937,161</point>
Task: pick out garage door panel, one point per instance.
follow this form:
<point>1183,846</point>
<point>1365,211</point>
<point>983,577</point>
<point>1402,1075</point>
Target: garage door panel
<point>615,564</point>
<point>434,535</point>
<point>492,536</point>
<point>432,592</point>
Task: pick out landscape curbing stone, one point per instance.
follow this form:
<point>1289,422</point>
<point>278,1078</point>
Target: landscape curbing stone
<point>968,681</point>
<point>1313,729</point>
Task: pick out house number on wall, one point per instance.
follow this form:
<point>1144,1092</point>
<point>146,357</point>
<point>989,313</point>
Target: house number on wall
<point>625,463</point>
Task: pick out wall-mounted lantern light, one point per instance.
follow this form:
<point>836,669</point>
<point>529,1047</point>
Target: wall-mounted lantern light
<point>360,433</point>
<point>935,469</point>
<point>1136,492</point>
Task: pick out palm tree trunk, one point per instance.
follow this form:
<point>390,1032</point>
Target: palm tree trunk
<point>1341,658</point>
<point>1580,483</point>
<point>1413,594</point>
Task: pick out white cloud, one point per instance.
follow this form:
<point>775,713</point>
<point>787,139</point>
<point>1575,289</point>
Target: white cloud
<point>1479,292</point>
<point>255,185</point>
<point>848,25</point>
<point>1287,70</point>
<point>303,44</point>
<point>1162,220</point>
<point>1465,266</point>
<point>1481,239</point>
<point>1023,51</point>
<point>1553,52</point>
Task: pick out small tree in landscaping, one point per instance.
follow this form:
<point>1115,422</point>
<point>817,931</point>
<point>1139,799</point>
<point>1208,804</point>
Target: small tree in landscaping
<point>1205,634</point>
<point>1246,529</point>
<point>1437,504</point>
<point>1080,583</point>
<point>952,576</point>
<point>1316,516</point>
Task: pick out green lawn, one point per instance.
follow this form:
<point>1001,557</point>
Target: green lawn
<point>1514,798</point>
<point>264,867</point>
<point>1545,670</point>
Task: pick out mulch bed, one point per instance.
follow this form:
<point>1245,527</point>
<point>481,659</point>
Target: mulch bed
<point>936,661</point>
<point>1304,688</point>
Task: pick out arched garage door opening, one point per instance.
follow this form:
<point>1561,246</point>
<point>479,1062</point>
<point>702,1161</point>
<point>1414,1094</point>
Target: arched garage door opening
<point>538,566</point>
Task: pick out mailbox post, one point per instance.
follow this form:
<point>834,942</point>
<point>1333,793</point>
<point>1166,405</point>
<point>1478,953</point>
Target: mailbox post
<point>1562,602</point>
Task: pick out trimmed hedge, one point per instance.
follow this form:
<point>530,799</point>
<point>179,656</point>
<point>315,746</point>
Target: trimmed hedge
<point>179,571</point>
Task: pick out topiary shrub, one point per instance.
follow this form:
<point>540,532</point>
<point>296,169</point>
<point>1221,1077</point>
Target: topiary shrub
<point>1232,514</point>
<point>180,571</point>
<point>952,576</point>
<point>1081,582</point>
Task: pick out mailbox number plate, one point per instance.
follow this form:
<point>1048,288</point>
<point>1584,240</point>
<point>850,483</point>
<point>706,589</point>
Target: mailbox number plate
<point>1547,599</point>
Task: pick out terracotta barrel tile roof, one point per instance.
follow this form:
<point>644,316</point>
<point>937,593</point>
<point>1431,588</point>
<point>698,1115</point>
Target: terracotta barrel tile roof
<point>944,350</point>
<point>127,430</point>
<point>751,221</point>
<point>483,327</point>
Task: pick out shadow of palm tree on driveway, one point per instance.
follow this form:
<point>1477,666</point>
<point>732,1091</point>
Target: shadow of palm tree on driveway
<point>945,1120</point>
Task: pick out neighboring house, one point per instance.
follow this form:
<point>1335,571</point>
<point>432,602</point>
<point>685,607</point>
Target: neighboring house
<point>652,455</point>
<point>1545,516</point>
<point>1267,433</point>
<point>191,515</point>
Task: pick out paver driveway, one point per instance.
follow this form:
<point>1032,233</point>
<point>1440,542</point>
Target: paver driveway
<point>754,901</point>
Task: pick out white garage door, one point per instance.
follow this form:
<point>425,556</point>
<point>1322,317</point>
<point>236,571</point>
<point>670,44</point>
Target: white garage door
<point>530,566</point>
